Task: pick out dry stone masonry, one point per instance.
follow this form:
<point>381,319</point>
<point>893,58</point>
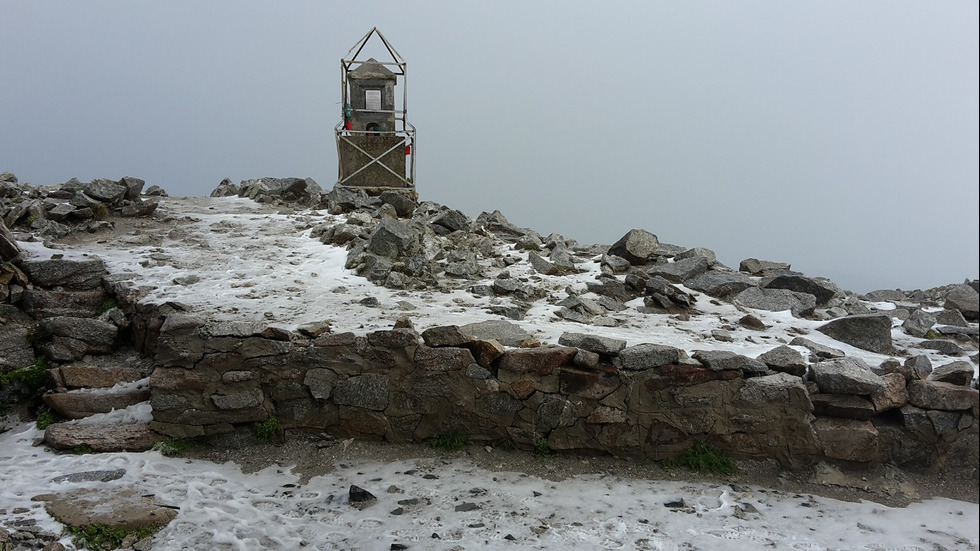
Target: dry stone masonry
<point>585,394</point>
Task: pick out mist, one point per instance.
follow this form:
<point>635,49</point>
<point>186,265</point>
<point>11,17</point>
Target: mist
<point>840,137</point>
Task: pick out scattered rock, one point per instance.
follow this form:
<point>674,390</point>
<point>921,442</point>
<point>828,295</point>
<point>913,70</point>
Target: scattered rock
<point>453,220</point>
<point>392,239</point>
<point>921,365</point>
<point>720,284</point>
<point>404,206</point>
<point>758,267</point>
<point>821,291</point>
<point>497,223</point>
<point>541,265</point>
<point>225,189</point>
<point>616,264</point>
<point>722,335</point>
<point>954,330</point>
<point>681,270</point>
<point>8,245</point>
<point>816,349</point>
<point>886,295</point>
<point>637,247</point>
<point>951,317</point>
<point>965,299</point>
<point>751,322</point>
<point>944,346</point>
<point>919,323</point>
<point>871,332</point>
<point>359,498</point>
<point>698,251</point>
<point>90,476</point>
<point>675,503</point>
<point>476,371</point>
<point>957,373</point>
<point>777,300</point>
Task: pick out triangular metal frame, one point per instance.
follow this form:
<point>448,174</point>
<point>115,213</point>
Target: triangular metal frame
<point>395,56</point>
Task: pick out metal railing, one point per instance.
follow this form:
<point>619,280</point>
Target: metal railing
<point>343,135</point>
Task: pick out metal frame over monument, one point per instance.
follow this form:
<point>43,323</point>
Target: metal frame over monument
<point>375,142</point>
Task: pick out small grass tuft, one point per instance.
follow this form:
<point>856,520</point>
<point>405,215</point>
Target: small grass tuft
<point>542,449</point>
<point>702,458</point>
<point>32,376</point>
<point>173,447</point>
<point>109,304</point>
<point>45,419</point>
<point>930,334</point>
<point>82,449</point>
<point>449,442</point>
<point>269,430</point>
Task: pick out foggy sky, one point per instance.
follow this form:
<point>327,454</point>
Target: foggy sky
<point>841,137</point>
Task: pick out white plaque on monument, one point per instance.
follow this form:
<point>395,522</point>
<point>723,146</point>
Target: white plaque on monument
<point>372,99</point>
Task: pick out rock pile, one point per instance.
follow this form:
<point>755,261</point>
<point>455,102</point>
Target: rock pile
<point>302,191</point>
<point>394,242</point>
<point>55,211</point>
<point>434,246</point>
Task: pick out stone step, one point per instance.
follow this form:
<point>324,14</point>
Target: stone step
<point>100,438</point>
<point>117,508</point>
<point>78,405</point>
<point>90,376</point>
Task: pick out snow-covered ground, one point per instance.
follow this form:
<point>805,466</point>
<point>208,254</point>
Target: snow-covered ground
<point>462,506</point>
<point>257,265</point>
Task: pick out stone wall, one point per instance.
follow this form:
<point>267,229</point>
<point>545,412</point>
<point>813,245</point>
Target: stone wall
<point>588,394</point>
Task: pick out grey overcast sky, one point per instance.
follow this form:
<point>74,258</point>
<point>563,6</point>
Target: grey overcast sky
<point>839,136</point>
